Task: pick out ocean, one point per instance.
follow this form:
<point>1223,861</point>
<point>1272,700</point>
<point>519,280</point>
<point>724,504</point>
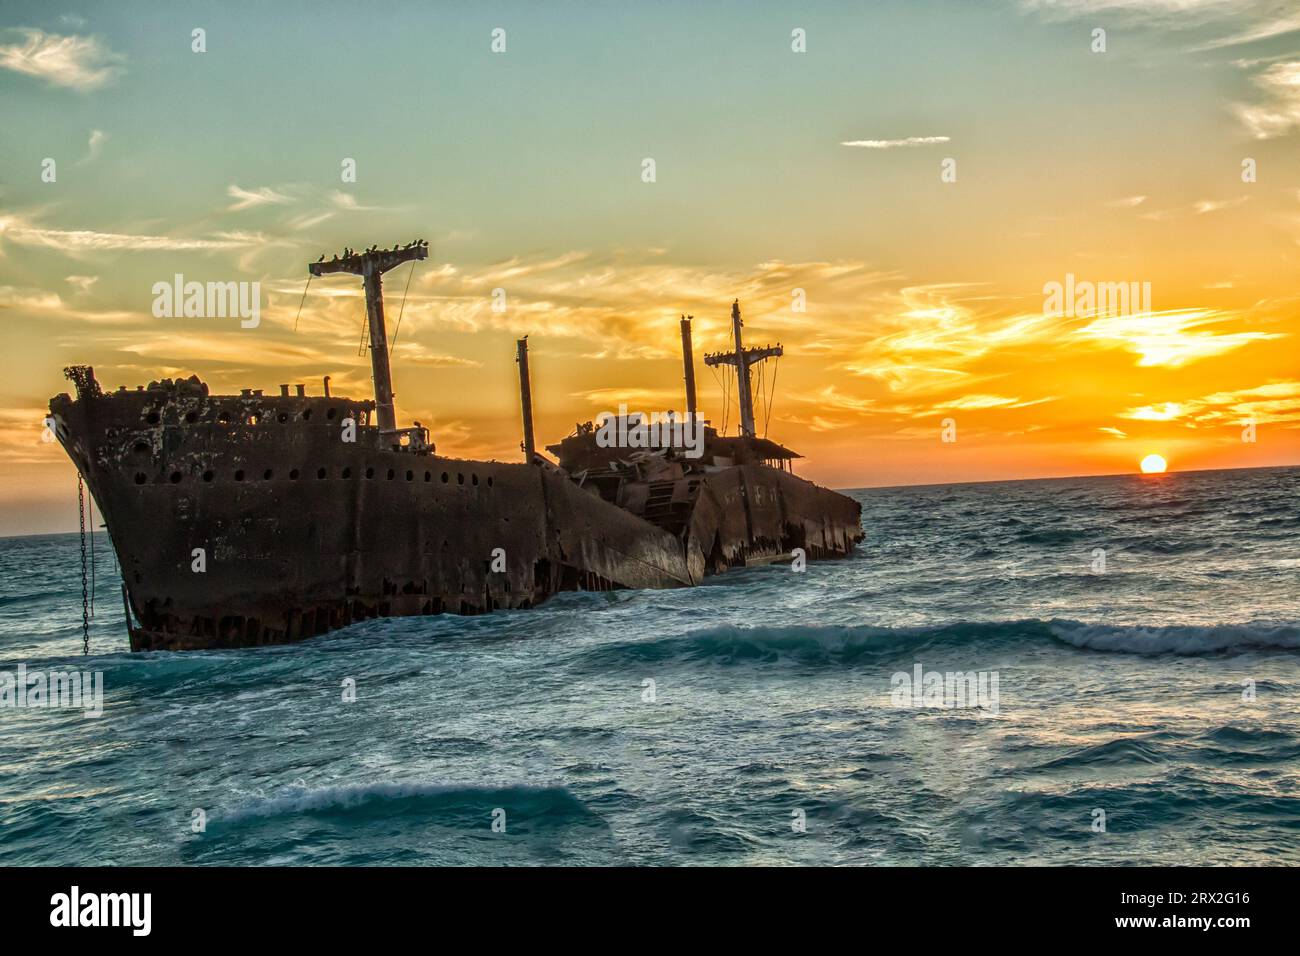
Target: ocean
<point>1136,641</point>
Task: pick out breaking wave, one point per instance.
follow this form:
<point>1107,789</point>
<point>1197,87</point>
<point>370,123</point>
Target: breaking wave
<point>449,803</point>
<point>1177,638</point>
<point>822,645</point>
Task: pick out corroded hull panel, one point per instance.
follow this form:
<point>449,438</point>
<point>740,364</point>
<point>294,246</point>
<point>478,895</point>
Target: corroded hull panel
<point>752,513</point>
<point>240,522</point>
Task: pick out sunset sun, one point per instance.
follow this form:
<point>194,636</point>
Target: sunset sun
<point>1153,465</point>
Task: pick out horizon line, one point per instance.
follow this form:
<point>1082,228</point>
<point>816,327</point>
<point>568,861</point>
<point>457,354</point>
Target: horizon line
<point>1112,474</point>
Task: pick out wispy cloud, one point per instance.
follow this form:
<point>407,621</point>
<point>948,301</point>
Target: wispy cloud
<point>1274,402</point>
<point>896,143</point>
<point>1165,412</point>
<point>974,402</point>
<point>1128,202</point>
<point>638,399</point>
<point>1214,205</point>
<point>250,198</point>
<point>308,220</point>
<point>50,304</point>
<point>15,229</point>
<point>1264,30</point>
<point>1279,113</point>
<point>76,62</point>
<point>1171,339</point>
<point>82,283</point>
<point>348,202</point>
<point>93,146</point>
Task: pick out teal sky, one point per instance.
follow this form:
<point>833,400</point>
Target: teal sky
<point>523,170</point>
<point>539,148</point>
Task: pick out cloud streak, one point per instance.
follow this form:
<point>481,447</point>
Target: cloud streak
<point>15,229</point>
<point>1279,113</point>
<point>75,62</point>
<point>251,198</point>
<point>896,143</point>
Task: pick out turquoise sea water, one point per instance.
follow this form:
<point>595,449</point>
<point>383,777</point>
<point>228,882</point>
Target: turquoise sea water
<point>1118,691</point>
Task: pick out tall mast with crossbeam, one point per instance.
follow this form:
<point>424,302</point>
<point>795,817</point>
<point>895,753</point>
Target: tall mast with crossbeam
<point>743,358</point>
<point>371,265</point>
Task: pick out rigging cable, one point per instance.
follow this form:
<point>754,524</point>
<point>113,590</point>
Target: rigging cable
<point>767,417</point>
<point>393,342</point>
<point>723,389</point>
<point>304,299</point>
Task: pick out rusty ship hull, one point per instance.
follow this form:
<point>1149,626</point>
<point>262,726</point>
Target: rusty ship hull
<point>247,520</point>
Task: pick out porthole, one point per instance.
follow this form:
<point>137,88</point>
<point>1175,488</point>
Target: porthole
<point>293,475</point>
<point>347,472</point>
<point>152,418</point>
<point>207,476</point>
<point>489,481</point>
<point>140,448</point>
<point>391,473</point>
<point>330,414</point>
<point>460,478</point>
<point>175,477</point>
<point>320,472</point>
<point>306,414</point>
<point>239,475</point>
<point>370,472</point>
<point>410,475</point>
<point>282,417</point>
<point>428,475</point>
<point>139,478</point>
<point>474,479</point>
<point>444,477</point>
<point>266,475</point>
<point>191,417</point>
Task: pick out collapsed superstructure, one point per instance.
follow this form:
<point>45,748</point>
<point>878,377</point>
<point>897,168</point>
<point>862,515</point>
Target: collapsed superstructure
<point>250,519</point>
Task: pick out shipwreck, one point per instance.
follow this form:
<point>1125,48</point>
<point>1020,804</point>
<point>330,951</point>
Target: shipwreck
<point>251,519</point>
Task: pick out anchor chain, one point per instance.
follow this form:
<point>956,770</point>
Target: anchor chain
<point>85,598</point>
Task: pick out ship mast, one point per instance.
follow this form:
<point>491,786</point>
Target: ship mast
<point>743,358</point>
<point>525,400</point>
<point>688,361</point>
<point>371,265</point>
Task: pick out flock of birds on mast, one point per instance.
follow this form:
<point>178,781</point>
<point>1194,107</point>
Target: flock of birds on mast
<point>349,253</point>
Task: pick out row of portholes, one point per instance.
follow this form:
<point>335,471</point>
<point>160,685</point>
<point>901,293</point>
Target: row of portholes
<point>177,477</point>
<point>226,417</point>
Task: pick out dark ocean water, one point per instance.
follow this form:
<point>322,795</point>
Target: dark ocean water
<point>1118,691</point>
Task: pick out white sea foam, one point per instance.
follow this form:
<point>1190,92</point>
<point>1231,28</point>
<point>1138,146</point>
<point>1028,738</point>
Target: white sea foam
<point>348,797</point>
<point>1176,638</point>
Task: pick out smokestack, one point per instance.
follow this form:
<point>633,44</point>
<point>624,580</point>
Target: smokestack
<point>284,391</point>
<point>301,390</point>
<point>327,386</point>
<point>525,399</point>
<point>688,359</point>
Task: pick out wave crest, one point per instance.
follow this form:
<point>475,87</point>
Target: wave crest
<point>848,645</point>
